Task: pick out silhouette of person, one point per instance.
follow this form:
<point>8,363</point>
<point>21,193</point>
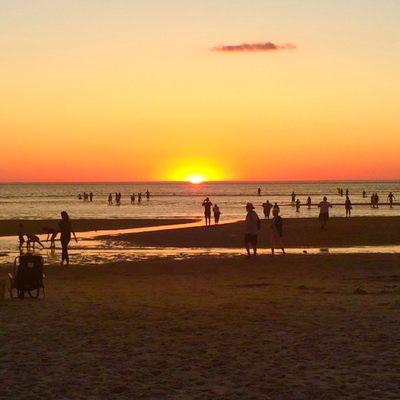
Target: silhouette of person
<point>65,228</point>
<point>324,207</point>
<point>276,232</point>
<point>347,192</point>
<point>298,205</point>
<point>364,194</point>
<point>21,234</point>
<point>252,227</point>
<point>139,197</point>
<point>276,207</point>
<point>293,197</point>
<point>308,202</point>
<point>51,234</point>
<point>110,199</point>
<point>32,240</point>
<point>207,210</point>
<point>133,198</point>
<point>217,213</point>
<point>267,209</point>
<point>391,197</point>
<point>259,191</point>
<point>348,206</point>
<point>91,196</point>
<point>147,194</point>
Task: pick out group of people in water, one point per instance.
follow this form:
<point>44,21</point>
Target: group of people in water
<point>64,228</point>
<point>118,196</point>
<point>86,196</point>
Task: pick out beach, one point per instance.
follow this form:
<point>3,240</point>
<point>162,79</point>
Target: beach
<point>292,327</point>
<point>299,232</point>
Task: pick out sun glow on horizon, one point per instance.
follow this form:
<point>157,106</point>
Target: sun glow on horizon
<point>196,179</point>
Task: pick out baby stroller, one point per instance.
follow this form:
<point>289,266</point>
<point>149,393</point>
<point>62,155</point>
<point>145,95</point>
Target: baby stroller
<point>27,276</point>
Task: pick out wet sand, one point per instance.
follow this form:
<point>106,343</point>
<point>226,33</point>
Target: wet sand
<point>10,227</point>
<point>298,232</point>
<point>292,327</point>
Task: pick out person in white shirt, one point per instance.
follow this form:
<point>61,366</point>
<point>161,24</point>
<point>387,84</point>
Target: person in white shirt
<point>252,227</point>
<point>324,207</point>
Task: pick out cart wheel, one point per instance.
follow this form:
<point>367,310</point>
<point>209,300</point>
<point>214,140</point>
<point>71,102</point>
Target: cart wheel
<point>34,294</point>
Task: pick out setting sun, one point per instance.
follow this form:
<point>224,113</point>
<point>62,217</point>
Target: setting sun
<point>196,179</point>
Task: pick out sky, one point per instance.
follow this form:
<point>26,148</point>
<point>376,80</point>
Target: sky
<point>142,90</point>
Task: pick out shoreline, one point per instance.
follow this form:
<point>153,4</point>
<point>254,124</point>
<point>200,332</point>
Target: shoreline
<point>9,227</point>
<point>299,232</point>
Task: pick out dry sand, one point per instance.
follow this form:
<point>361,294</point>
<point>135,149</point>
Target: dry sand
<point>299,232</point>
<point>289,327</point>
<point>10,226</point>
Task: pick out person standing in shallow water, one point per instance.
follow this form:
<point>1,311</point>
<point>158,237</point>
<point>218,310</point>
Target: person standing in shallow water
<point>391,197</point>
<point>348,206</point>
<point>110,199</point>
<point>324,207</point>
<point>65,228</point>
<point>276,232</point>
<point>217,213</point>
<point>309,202</point>
<point>298,205</point>
<point>207,210</point>
<point>267,209</point>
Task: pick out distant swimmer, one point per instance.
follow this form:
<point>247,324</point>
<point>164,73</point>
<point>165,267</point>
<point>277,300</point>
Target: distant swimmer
<point>348,206</point>
<point>51,234</point>
<point>298,205</point>
<point>110,199</point>
<point>324,207</point>
<point>293,197</point>
<point>32,240</point>
<point>217,213</point>
<point>133,198</point>
<point>391,198</point>
<point>267,209</point>
<point>65,228</point>
<point>276,232</point>
<point>147,194</point>
<point>259,191</point>
<point>308,202</point>
<point>21,234</point>
<point>207,210</point>
<point>252,227</point>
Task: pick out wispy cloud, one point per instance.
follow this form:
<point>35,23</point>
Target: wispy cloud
<point>253,47</point>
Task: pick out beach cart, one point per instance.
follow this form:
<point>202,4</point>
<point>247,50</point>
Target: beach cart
<point>27,277</point>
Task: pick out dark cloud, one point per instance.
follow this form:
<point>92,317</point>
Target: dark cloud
<point>253,47</point>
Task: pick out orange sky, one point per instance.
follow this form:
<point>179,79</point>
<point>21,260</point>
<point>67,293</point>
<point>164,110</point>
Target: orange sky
<point>132,90</point>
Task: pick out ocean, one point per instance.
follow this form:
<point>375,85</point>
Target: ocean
<point>182,200</point>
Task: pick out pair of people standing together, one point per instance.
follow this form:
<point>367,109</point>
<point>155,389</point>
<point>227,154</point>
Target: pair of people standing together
<point>253,226</point>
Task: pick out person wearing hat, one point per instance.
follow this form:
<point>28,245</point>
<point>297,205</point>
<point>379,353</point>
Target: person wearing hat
<point>252,227</point>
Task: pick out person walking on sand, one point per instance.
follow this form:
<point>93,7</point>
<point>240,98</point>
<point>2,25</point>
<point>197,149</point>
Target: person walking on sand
<point>21,234</point>
<point>267,209</point>
<point>348,206</point>
<point>391,197</point>
<point>110,199</point>
<point>217,213</point>
<point>207,210</point>
<point>309,202</point>
<point>324,207</point>
<point>298,205</point>
<point>276,232</point>
<point>65,228</point>
<point>252,227</point>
